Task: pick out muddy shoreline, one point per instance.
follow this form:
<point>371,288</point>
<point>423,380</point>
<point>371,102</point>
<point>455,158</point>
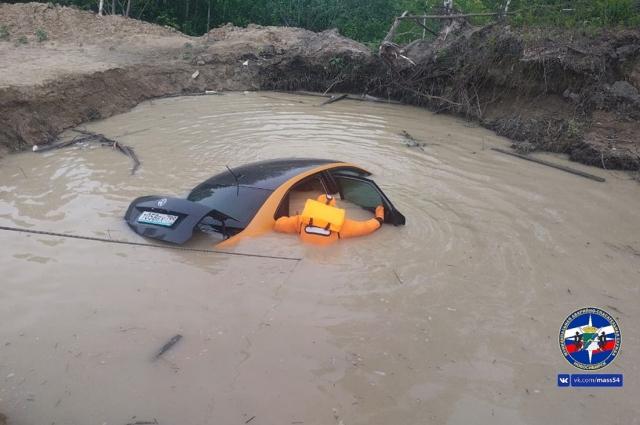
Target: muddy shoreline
<point>568,93</point>
<point>434,319</point>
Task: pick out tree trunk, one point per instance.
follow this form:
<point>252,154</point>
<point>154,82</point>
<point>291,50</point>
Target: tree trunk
<point>100,7</point>
<point>208,16</point>
<point>128,8</point>
<point>448,5</point>
<point>506,8</point>
<point>113,7</point>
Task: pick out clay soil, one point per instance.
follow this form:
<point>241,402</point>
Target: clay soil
<point>92,67</point>
<point>574,93</point>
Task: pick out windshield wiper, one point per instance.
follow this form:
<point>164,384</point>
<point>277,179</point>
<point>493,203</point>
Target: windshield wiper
<point>236,179</point>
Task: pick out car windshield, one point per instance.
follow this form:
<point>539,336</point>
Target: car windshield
<point>239,202</point>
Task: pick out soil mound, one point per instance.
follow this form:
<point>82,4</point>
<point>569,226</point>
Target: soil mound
<point>559,91</point>
<point>92,67</point>
<point>68,24</point>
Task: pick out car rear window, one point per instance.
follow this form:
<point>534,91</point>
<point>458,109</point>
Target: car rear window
<point>240,202</point>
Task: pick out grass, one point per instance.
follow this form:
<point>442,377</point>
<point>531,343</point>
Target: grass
<point>4,32</point>
<point>41,35</point>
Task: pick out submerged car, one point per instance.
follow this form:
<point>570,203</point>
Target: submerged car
<point>247,200</point>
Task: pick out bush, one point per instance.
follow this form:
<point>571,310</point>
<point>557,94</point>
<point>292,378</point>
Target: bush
<point>22,40</point>
<point>4,32</point>
<point>41,35</point>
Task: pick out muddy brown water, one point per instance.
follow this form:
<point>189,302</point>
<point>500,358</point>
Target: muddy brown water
<point>451,319</point>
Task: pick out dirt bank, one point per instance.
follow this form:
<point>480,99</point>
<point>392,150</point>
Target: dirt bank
<point>559,91</point>
<point>92,67</point>
<point>572,93</point>
<point>435,319</point>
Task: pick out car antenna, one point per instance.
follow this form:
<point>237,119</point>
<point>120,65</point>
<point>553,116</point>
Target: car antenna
<point>236,178</point>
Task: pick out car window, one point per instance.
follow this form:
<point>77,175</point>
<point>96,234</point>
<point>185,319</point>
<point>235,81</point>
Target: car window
<point>293,202</point>
<point>239,202</point>
<point>359,192</point>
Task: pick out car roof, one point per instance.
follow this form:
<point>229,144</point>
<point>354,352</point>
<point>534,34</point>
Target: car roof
<point>268,175</point>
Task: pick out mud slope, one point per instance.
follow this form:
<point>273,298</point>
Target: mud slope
<point>93,67</point>
<point>559,91</point>
<point>566,92</point>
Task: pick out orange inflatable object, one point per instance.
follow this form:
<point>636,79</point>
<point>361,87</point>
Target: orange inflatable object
<point>304,225</point>
<point>319,214</point>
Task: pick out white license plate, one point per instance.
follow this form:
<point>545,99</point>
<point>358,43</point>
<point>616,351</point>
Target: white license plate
<point>158,219</point>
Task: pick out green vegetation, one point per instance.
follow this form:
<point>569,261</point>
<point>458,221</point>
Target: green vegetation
<point>22,40</point>
<point>41,35</point>
<point>4,32</point>
<point>363,20</point>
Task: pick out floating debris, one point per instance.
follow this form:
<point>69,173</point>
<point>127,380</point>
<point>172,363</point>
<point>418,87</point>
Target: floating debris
<point>88,136</point>
<point>153,422</point>
<point>173,341</point>
<point>411,142</point>
<point>333,99</point>
<point>552,165</point>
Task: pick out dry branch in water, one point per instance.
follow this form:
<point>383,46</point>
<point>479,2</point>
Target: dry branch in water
<point>333,99</point>
<point>552,165</point>
<point>88,136</point>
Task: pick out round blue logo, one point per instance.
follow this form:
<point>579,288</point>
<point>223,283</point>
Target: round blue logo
<point>590,338</point>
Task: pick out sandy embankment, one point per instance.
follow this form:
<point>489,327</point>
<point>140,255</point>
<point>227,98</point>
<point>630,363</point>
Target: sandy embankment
<point>92,67</point>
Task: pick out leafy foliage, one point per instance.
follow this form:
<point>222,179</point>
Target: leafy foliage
<point>4,32</point>
<point>41,35</point>
<point>366,21</point>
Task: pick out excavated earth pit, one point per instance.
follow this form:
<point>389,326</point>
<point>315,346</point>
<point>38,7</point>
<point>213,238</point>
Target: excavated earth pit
<point>450,319</point>
<point>453,317</point>
<point>566,92</point>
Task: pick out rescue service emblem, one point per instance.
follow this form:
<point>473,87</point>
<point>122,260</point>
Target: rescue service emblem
<point>590,338</point>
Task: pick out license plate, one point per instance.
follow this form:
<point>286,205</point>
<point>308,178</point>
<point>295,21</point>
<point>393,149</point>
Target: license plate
<point>158,219</point>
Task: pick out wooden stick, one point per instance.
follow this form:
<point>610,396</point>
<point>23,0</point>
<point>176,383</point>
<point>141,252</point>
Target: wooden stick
<point>93,137</point>
<point>417,21</point>
<point>127,150</point>
<point>551,164</point>
<point>456,16</point>
<point>392,31</point>
<point>173,341</point>
<point>333,99</point>
<point>51,146</point>
<point>363,98</point>
<point>331,86</point>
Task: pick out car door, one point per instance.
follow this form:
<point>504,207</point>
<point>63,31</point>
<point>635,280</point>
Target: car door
<point>365,193</point>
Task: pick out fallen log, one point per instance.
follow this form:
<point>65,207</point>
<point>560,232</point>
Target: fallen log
<point>363,98</point>
<point>552,165</point>
<point>333,99</point>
